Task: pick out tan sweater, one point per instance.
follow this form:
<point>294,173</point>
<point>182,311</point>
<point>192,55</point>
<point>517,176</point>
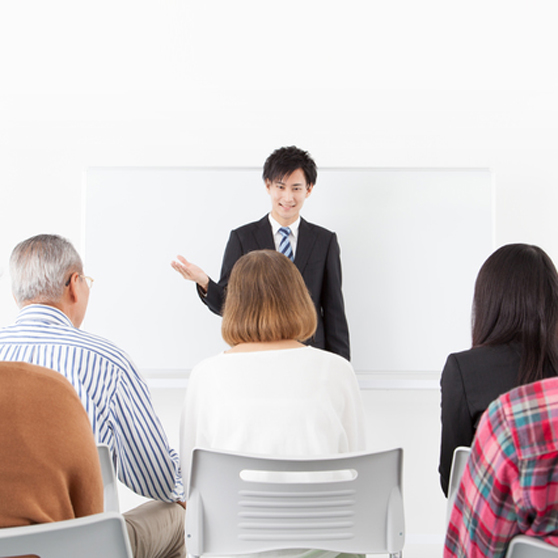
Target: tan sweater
<point>49,467</point>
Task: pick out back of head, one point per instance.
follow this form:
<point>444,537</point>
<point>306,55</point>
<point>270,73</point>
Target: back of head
<point>285,160</point>
<point>516,300</point>
<point>267,300</point>
<point>40,267</point>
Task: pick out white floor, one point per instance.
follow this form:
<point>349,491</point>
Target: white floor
<point>395,418</point>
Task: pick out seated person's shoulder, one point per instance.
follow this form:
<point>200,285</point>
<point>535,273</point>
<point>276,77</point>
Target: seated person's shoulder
<point>27,384</point>
<point>105,349</point>
<point>530,412</point>
<point>481,356</point>
<point>329,359</point>
<point>543,392</point>
<point>33,375</point>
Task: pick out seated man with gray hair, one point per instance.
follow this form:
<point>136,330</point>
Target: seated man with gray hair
<point>52,292</point>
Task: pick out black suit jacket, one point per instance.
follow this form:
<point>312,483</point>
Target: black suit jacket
<point>317,259</point>
<point>471,380</point>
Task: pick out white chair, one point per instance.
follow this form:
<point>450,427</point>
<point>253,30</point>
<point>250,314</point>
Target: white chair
<point>111,502</point>
<point>458,463</point>
<point>530,547</point>
<point>240,504</point>
<point>103,534</point>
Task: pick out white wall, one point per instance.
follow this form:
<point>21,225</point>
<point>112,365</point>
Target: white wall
<point>384,84</point>
<point>362,83</point>
<point>358,83</point>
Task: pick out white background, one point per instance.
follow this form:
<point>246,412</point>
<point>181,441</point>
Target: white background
<point>218,83</point>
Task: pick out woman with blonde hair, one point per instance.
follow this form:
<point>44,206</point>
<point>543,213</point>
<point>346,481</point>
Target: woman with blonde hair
<point>270,394</point>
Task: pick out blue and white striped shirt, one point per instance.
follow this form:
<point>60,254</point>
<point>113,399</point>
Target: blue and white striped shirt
<point>113,393</point>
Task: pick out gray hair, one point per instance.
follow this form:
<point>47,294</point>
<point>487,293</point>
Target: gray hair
<point>40,267</point>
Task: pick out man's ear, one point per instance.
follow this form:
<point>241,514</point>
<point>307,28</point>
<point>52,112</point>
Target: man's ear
<point>72,287</point>
<point>309,189</point>
<point>267,183</point>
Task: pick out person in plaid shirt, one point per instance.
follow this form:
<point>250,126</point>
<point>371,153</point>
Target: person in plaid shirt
<point>510,484</point>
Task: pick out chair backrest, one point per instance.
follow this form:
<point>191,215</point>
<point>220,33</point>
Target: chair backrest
<point>530,547</point>
<point>240,504</point>
<point>111,502</point>
<point>103,534</point>
<point>459,460</point>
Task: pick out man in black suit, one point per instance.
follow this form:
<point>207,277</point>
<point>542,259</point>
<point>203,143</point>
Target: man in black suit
<point>289,175</point>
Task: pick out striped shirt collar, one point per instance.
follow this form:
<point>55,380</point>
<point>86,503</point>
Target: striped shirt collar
<point>44,314</point>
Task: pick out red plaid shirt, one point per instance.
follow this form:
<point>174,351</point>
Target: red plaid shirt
<point>510,484</point>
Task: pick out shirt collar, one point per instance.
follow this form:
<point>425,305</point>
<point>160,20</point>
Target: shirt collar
<point>44,314</point>
<point>275,226</point>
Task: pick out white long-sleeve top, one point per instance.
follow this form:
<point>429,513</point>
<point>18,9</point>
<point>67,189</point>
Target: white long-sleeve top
<point>291,403</point>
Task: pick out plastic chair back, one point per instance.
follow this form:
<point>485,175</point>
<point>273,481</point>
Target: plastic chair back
<point>111,502</point>
<point>458,463</point>
<point>530,547</point>
<point>103,534</point>
<point>240,504</point>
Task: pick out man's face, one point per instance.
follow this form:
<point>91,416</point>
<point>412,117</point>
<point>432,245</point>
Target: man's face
<point>287,196</point>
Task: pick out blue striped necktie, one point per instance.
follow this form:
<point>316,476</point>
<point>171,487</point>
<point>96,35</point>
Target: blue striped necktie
<point>285,244</point>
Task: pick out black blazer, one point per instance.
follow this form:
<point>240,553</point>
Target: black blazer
<point>317,259</point>
<point>471,380</point>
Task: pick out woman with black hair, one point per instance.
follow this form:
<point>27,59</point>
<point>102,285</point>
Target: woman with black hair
<point>515,342</point>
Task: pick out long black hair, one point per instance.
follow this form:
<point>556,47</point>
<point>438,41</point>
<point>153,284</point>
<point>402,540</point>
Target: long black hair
<point>516,300</point>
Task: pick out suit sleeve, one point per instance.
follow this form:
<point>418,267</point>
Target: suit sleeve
<point>336,329</point>
<point>216,292</point>
<point>457,425</point>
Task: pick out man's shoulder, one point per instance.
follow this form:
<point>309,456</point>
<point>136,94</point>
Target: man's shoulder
<point>249,227</point>
<point>59,336</point>
<point>104,347</point>
<point>90,343</point>
<point>317,230</point>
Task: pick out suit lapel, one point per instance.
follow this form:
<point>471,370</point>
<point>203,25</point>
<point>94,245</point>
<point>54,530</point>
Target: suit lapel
<point>304,245</point>
<point>263,235</point>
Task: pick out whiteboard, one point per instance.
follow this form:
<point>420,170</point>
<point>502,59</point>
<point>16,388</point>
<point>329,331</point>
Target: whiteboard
<point>412,242</point>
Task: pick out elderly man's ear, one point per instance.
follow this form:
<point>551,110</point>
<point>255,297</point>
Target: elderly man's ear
<point>75,299</point>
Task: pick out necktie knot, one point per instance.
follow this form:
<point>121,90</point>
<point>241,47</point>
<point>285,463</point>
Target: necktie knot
<point>285,231</point>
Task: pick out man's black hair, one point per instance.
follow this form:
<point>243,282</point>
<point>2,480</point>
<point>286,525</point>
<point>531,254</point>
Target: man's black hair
<point>285,160</point>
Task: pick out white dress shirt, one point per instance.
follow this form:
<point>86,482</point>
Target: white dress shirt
<point>277,236</point>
